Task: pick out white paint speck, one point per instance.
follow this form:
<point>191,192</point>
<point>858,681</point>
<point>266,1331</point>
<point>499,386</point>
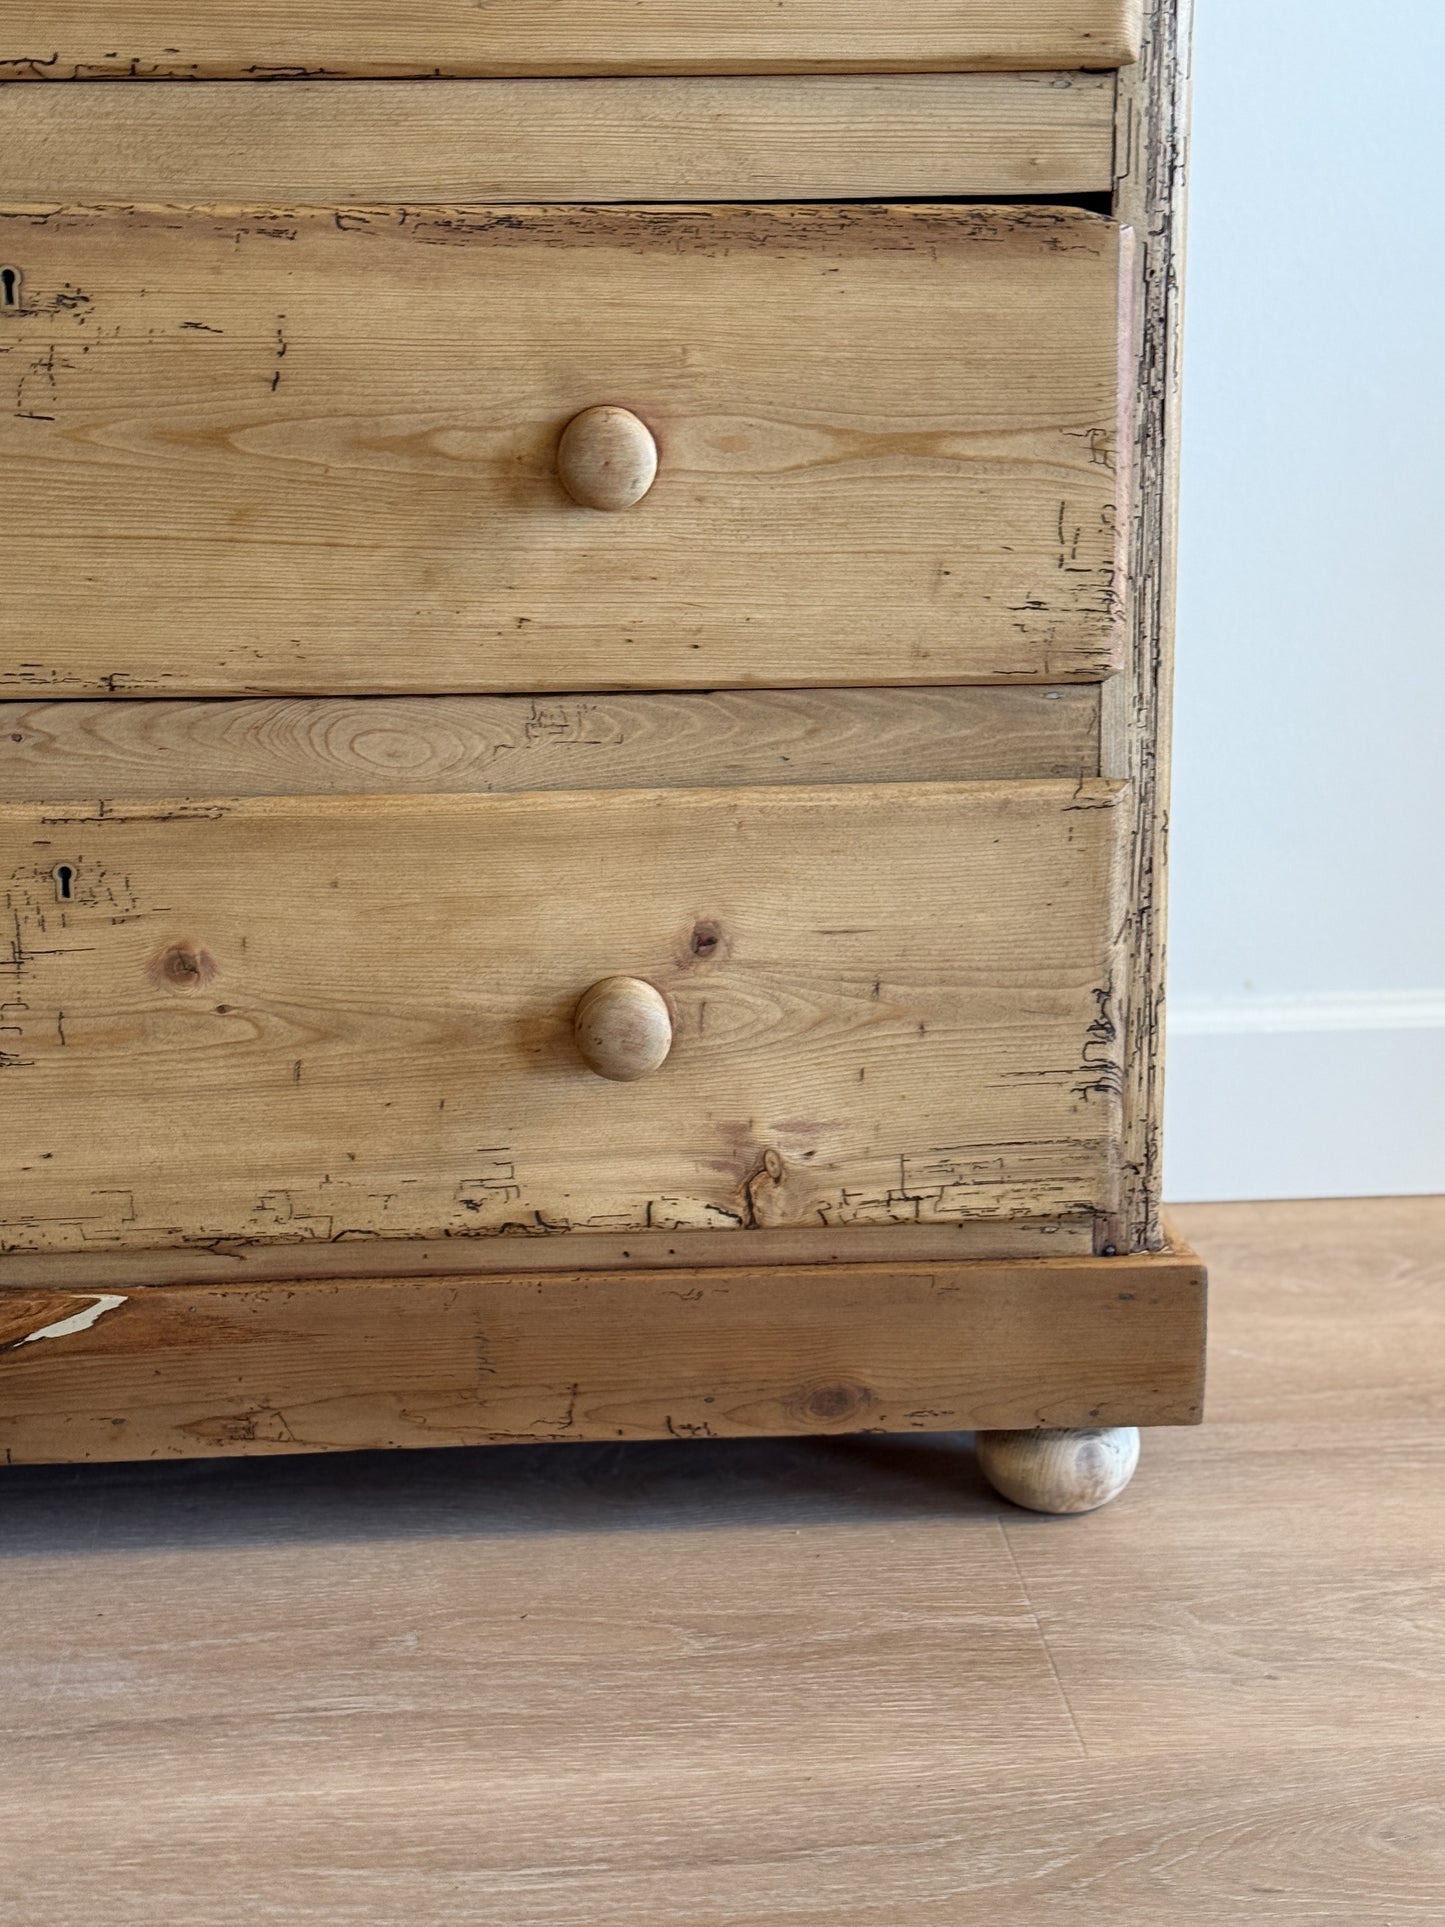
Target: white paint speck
<point>78,1321</point>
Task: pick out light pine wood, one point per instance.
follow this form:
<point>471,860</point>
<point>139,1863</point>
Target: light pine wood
<point>607,458</point>
<point>1152,159</point>
<point>623,1029</point>
<point>309,452</point>
<point>1220,1700</point>
<point>187,39</point>
<point>311,1019</point>
<point>197,1370</point>
<point>1067,1471</point>
<point>532,1249</point>
<point>466,744</point>
<point>701,138</point>
<point>223,1110</point>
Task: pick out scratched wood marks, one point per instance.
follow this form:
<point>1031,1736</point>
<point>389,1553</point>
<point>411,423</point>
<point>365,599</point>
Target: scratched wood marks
<point>297,1019</point>
<point>1153,155</point>
<point>186,39</point>
<point>233,1261</point>
<point>698,138</point>
<point>195,1370</point>
<point>435,744</point>
<point>289,451</point>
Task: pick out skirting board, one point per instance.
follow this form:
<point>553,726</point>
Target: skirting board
<point>182,1371</point>
<point>1306,1099</point>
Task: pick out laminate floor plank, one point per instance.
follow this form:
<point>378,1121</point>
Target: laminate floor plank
<point>1295,1548</point>
<point>1331,1312</point>
<point>1273,1587</point>
<point>407,1828</point>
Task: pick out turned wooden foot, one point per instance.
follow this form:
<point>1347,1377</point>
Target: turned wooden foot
<point>1074,1471</point>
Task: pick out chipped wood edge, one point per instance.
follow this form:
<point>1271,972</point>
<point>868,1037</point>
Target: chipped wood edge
<point>238,1369</point>
<point>237,1261</point>
<point>69,1322</point>
<point>1133,30</point>
<point>1150,167</point>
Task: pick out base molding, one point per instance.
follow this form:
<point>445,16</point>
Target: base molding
<point>181,1371</point>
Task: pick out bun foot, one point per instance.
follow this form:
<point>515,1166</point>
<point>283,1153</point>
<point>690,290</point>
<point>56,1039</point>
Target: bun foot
<point>1073,1471</point>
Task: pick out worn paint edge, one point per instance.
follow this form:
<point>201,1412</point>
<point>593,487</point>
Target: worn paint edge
<point>78,1321</point>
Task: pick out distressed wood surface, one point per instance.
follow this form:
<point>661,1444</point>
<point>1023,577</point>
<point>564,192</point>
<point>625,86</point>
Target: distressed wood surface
<point>562,140</point>
<point>232,1261</point>
<point>1152,151</point>
<point>188,39</point>
<point>438,744</point>
<point>194,1370</point>
<point>314,452</point>
<point>307,1019</point>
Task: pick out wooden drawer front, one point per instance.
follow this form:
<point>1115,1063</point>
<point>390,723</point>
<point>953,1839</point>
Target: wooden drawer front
<point>774,137</point>
<point>73,39</point>
<point>315,451</point>
<point>332,1018</point>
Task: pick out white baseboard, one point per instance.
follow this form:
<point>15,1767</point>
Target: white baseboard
<point>1306,1097</point>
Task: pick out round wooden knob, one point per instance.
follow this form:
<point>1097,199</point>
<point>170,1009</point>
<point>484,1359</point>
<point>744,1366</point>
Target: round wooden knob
<point>1060,1471</point>
<point>623,1028</point>
<point>607,458</point>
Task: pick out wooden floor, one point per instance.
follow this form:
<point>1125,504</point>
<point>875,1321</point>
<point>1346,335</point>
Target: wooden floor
<point>819,1684</point>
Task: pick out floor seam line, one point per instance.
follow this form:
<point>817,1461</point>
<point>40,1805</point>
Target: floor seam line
<point>1043,1639</point>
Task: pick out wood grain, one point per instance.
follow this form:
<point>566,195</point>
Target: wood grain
<point>622,1028</point>
<point>468,744</point>
<point>698,138</point>
<point>314,452</point>
<point>288,1020</point>
<point>607,459</point>
<point>230,1261</point>
<point>187,39</point>
<point>1339,1316</point>
<point>480,1681</point>
<point>189,1370</point>
<point>1062,1472</point>
<point>430,1795</point>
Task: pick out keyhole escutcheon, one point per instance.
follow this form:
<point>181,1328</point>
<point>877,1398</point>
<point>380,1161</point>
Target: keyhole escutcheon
<point>9,289</point>
<point>64,874</point>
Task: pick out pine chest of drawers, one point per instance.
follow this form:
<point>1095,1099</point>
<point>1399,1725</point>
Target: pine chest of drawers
<point>583,707</point>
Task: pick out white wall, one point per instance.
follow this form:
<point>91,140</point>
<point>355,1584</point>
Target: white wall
<point>1307,948</point>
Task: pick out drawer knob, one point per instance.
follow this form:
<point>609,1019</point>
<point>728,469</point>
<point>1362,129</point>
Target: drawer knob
<point>607,458</point>
<point>623,1028</point>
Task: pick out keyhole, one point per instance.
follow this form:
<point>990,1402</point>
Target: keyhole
<point>64,877</point>
<point>9,289</point>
